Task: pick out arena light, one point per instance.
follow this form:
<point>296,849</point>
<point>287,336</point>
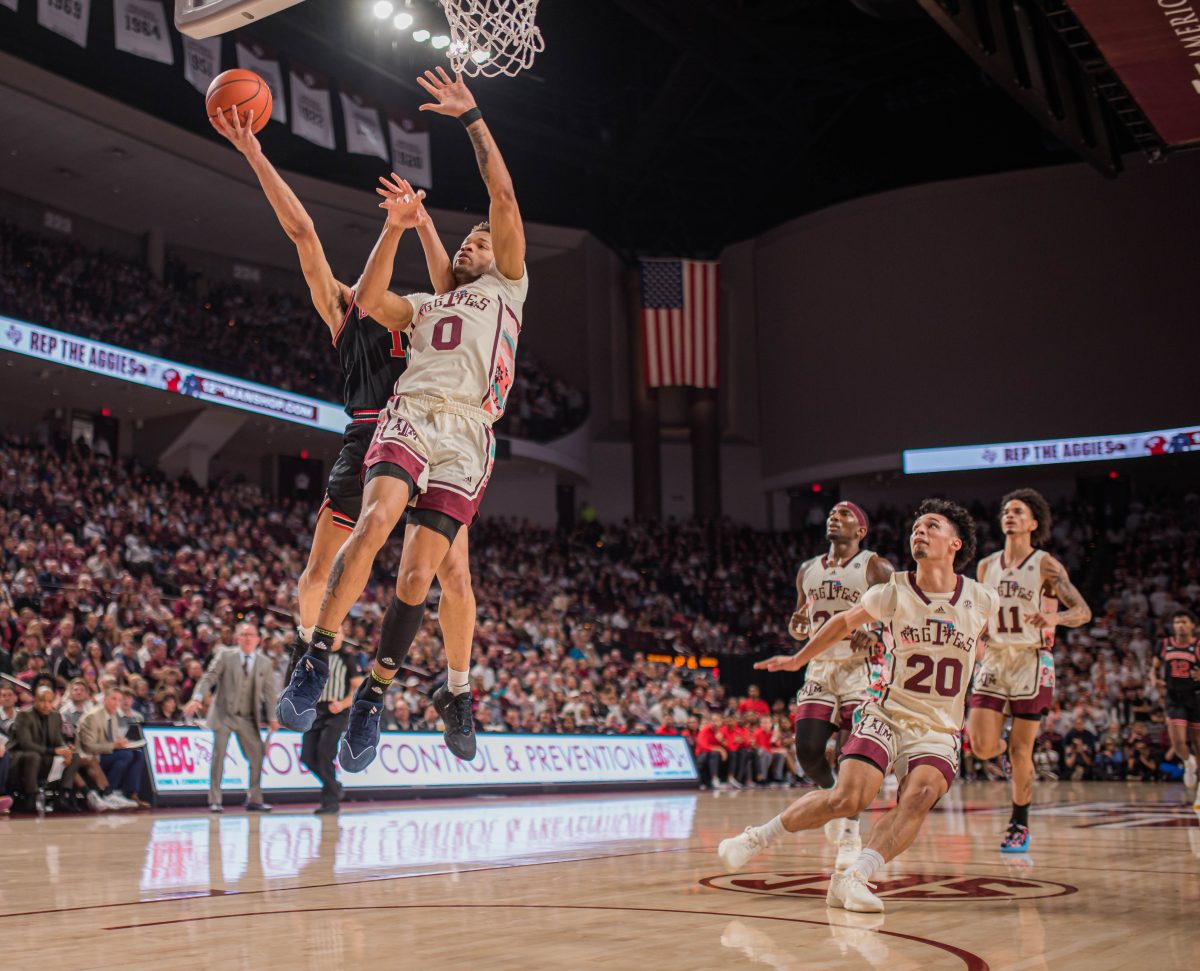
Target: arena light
<point>440,42</point>
<point>383,9</point>
<point>403,21</point>
<point>479,57</point>
<point>421,35</point>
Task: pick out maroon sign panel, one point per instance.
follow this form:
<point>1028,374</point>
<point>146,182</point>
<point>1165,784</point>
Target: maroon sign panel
<point>1154,47</point>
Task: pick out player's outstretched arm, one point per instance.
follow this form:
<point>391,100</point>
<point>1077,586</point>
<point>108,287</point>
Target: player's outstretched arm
<point>452,98</point>
<point>404,209</point>
<point>437,260</point>
<point>330,297</point>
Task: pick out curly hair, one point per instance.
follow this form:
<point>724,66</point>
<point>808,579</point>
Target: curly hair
<point>963,523</point>
<point>1038,506</point>
<point>1184,612</point>
<point>483,227</point>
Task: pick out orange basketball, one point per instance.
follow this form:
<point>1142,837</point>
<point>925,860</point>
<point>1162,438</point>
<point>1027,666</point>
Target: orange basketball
<point>243,90</point>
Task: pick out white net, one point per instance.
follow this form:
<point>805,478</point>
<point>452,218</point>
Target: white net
<point>492,37</point>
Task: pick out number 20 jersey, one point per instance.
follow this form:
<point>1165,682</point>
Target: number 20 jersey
<point>463,344</point>
<point>935,640</point>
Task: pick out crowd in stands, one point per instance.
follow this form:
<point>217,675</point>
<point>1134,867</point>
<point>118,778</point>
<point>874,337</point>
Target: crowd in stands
<point>113,577</point>
<point>273,338</point>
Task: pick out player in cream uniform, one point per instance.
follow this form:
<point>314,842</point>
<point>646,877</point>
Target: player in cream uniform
<point>839,680</point>
<point>433,446</point>
<point>1016,675</point>
<point>937,619</point>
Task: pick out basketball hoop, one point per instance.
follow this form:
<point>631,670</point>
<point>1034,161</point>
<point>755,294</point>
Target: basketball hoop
<point>492,37</point>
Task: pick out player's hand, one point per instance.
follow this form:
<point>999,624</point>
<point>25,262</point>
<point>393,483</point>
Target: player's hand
<point>862,641</point>
<point>1042,619</point>
<point>780,662</point>
<point>798,625</point>
<point>241,136</point>
<point>452,96</point>
<point>402,203</point>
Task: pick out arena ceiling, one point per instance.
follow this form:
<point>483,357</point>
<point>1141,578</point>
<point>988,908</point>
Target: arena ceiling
<point>662,126</point>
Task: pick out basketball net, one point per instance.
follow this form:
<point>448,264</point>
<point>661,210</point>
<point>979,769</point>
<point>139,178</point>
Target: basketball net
<point>492,37</point>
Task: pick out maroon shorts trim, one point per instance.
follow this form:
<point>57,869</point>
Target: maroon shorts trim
<point>848,716</point>
<point>815,711</point>
<point>867,749</point>
<point>1038,705</point>
<point>947,768</point>
<point>991,702</point>
<point>457,507</point>
<point>397,454</point>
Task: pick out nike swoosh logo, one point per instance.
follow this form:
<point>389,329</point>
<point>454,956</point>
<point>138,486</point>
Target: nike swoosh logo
<point>358,755</point>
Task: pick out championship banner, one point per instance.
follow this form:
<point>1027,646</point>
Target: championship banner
<point>364,135</point>
<point>68,18</point>
<point>409,140</point>
<point>140,28</point>
<point>201,61</point>
<point>1154,48</point>
<point>260,59</point>
<point>312,113</point>
<point>108,360</point>
<point>1052,451</point>
<point>190,853</point>
<point>179,760</point>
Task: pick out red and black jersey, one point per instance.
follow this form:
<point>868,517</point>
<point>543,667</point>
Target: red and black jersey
<point>1180,662</point>
<point>372,358</point>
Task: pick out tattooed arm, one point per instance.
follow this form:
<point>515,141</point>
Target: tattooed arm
<point>508,232</point>
<point>1057,583</point>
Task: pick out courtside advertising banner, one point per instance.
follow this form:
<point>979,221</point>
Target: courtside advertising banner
<point>190,853</point>
<point>179,760</point>
<point>110,361</point>
<point>1053,451</point>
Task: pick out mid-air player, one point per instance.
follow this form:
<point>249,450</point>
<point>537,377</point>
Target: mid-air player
<point>1016,673</point>
<point>840,679</point>
<point>1177,668</point>
<point>936,618</point>
<point>434,444</point>
<point>372,358</point>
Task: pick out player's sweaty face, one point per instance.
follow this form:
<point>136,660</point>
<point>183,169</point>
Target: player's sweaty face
<point>933,537</point>
<point>841,524</point>
<point>1016,517</point>
<point>475,254</point>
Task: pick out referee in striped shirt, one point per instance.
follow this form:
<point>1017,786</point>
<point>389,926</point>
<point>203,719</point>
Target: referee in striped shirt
<point>320,743</point>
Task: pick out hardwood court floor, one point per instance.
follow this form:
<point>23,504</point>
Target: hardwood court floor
<point>599,882</point>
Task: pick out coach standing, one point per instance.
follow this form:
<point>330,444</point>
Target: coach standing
<point>245,701</point>
<point>320,743</point>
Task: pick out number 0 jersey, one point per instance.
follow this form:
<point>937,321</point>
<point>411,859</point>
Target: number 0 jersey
<point>1018,588</point>
<point>463,344</point>
<point>935,640</point>
<point>829,590</point>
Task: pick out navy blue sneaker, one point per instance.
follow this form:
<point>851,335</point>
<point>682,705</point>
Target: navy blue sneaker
<point>297,706</point>
<point>360,742</point>
<point>456,714</point>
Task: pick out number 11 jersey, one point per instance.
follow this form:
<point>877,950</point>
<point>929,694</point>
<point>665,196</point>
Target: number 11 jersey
<point>463,344</point>
<point>935,640</point>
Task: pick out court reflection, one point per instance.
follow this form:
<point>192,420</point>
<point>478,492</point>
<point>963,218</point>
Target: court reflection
<point>851,936</point>
<point>191,855</point>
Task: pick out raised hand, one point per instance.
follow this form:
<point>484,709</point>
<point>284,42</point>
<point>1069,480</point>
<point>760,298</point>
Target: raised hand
<point>402,202</point>
<point>452,96</point>
<point>241,136</point>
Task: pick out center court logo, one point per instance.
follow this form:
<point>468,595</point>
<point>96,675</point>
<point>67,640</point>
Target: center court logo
<point>937,887</point>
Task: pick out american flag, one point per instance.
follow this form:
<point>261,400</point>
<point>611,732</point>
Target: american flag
<point>679,322</point>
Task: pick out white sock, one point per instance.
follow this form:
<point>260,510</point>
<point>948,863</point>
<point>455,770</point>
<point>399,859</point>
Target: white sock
<point>771,832</point>
<point>459,682</point>
<point>850,828</point>
<point>867,863</point>
<point>306,633</point>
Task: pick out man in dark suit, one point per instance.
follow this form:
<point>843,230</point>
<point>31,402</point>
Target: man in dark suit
<point>244,681</point>
<point>37,737</point>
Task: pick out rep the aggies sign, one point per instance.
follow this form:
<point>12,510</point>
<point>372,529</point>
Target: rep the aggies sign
<point>180,760</point>
<point>1154,47</point>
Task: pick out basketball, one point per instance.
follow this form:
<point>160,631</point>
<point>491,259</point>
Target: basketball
<point>243,90</point>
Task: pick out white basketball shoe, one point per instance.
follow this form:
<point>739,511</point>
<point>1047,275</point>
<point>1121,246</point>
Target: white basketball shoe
<point>849,891</point>
<point>848,848</point>
<point>1189,772</point>
<point>737,850</point>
